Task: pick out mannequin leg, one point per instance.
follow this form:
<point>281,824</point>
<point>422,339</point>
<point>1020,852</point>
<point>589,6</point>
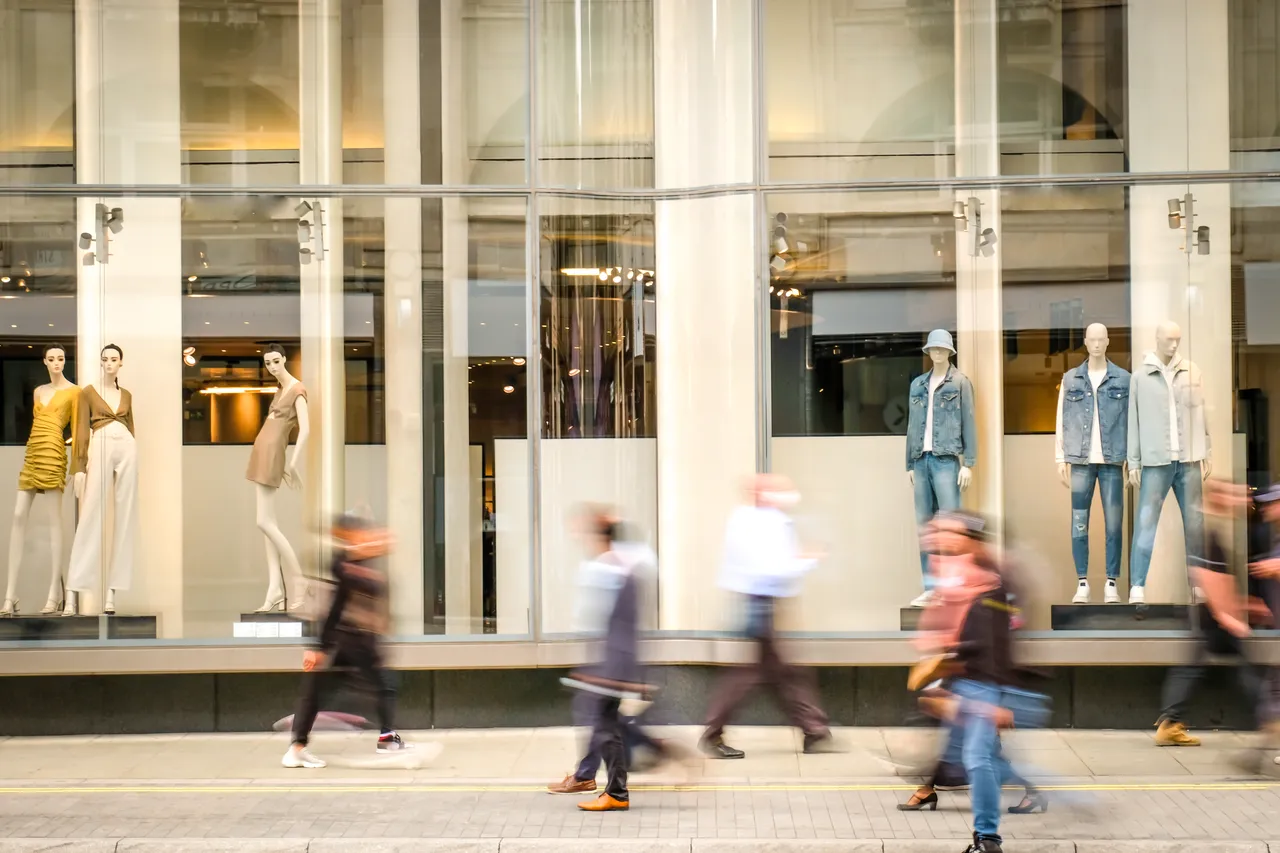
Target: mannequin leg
<point>86,548</point>
<point>17,538</point>
<point>281,560</point>
<point>125,458</point>
<point>55,551</point>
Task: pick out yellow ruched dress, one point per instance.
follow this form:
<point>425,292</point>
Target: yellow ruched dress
<point>45,465</point>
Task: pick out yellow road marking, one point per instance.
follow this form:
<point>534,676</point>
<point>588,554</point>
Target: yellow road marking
<point>321,788</point>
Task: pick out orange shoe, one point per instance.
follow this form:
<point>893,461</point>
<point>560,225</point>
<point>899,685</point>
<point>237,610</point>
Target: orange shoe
<point>605,803</point>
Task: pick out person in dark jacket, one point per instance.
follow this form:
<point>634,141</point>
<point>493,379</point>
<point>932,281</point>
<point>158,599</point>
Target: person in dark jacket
<point>352,635</point>
<point>618,674</point>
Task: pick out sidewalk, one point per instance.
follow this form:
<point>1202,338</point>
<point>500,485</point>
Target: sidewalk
<point>485,788</point>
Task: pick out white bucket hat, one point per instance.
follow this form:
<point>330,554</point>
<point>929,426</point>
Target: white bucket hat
<point>940,338</point>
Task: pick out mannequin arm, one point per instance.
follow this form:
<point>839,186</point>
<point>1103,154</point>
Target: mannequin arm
<point>299,446</point>
<point>968,426</point>
<point>1133,436</point>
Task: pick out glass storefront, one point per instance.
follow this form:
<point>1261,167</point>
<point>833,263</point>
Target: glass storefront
<point>468,266</point>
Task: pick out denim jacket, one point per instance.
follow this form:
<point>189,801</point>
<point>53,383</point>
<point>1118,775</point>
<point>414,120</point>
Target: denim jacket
<point>1077,414</point>
<point>1149,439</point>
<point>954,431</point>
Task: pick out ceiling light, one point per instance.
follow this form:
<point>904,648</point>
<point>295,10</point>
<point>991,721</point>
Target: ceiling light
<point>228,390</point>
<point>604,275</point>
<point>580,272</point>
<point>573,371</point>
<point>517,361</point>
<point>4,279</point>
<point>189,360</point>
<point>508,389</point>
<point>617,279</point>
<point>188,350</point>
<point>192,277</point>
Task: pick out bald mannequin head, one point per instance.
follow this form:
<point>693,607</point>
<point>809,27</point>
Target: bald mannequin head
<point>1168,339</point>
<point>1096,342</point>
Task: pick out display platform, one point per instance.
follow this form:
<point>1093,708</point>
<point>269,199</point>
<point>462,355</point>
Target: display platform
<point>909,618</point>
<point>1118,617</point>
<point>53,627</point>
<point>272,625</point>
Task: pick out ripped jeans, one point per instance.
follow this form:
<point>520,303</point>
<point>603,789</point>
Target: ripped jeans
<point>1110,482</point>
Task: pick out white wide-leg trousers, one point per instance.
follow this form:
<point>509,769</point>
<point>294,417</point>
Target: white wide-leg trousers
<point>113,455</point>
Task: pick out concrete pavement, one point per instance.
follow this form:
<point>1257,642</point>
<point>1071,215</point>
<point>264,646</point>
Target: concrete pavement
<point>483,794</point>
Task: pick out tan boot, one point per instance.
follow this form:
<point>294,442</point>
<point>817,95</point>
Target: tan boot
<point>1171,733</point>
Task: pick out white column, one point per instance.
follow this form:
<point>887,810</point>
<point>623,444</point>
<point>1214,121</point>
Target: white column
<point>707,296</point>
<point>1179,87</point>
<point>402,318</point>
<point>128,131</point>
<point>323,370</point>
<point>979,303</point>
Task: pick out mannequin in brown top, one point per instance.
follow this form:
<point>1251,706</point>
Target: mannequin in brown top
<point>105,466</point>
<point>44,472</point>
<point>269,468</point>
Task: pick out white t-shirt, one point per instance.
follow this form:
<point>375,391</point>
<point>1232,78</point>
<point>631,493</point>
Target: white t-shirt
<point>934,381</point>
<point>1169,371</point>
<point>1095,443</point>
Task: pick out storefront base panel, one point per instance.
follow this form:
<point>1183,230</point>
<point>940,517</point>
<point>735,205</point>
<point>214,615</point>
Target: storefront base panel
<point>1083,697</point>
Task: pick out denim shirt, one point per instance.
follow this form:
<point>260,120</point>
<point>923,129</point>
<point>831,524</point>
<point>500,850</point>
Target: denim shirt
<point>954,431</point>
<point>1077,414</point>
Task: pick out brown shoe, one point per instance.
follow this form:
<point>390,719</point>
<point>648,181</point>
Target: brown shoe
<point>572,785</point>
<point>1171,733</point>
<point>605,803</point>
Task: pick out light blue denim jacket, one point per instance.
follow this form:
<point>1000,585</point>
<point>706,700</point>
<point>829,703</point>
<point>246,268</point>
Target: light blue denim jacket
<point>954,431</point>
<point>1077,414</point>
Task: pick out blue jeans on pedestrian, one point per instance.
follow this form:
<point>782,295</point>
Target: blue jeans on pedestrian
<point>1184,479</point>
<point>1110,482</point>
<point>937,489</point>
<point>984,763</point>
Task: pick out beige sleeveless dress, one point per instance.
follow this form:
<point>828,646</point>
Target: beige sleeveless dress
<point>266,461</point>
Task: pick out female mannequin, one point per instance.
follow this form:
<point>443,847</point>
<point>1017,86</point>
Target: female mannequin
<point>268,469</point>
<point>44,470</point>
<point>105,452</point>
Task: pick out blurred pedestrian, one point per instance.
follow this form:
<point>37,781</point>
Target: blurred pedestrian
<point>1219,621</point>
<point>763,564</point>
<point>358,619</point>
<point>1264,574</point>
<point>616,678</point>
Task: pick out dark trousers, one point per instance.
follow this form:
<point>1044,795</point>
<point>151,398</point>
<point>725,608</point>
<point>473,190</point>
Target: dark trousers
<point>361,654</point>
<point>607,742</point>
<point>1181,681</point>
<point>793,686</point>
<point>633,737</point>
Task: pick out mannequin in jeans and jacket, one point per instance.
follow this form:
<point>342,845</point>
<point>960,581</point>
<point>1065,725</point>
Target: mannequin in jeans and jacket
<point>1090,449</point>
<point>942,440</point>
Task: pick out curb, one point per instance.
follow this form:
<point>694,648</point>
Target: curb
<point>594,845</point>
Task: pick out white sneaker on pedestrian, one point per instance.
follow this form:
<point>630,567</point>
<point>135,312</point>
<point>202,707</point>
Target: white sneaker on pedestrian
<point>1112,594</point>
<point>1082,593</point>
<point>300,756</point>
<point>1137,595</point>
<point>922,599</point>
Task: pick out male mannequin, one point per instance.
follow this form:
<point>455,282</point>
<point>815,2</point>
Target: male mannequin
<point>106,454</point>
<point>44,471</point>
<point>1168,448</point>
<point>942,439</point>
<point>270,466</point>
<point>1090,449</point>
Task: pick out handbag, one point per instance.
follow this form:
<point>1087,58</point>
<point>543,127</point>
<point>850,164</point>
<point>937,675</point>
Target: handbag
<point>930,669</point>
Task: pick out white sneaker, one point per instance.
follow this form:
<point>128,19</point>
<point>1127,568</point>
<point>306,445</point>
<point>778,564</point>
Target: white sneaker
<point>300,756</point>
<point>1082,593</point>
<point>922,599</point>
<point>1137,595</point>
<point>1112,594</point>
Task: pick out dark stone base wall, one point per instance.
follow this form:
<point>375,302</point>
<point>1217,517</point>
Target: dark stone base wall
<point>1084,697</point>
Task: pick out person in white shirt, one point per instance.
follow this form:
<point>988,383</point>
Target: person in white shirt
<point>763,562</point>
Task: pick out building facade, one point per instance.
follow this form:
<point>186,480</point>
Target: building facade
<point>526,254</point>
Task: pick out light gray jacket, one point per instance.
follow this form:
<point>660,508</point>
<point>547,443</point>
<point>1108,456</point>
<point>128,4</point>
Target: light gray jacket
<point>1149,414</point>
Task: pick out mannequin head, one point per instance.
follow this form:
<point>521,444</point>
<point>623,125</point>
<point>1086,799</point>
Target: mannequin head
<point>1096,340</point>
<point>55,361</point>
<point>273,359</point>
<point>1168,339</point>
<point>939,357</point>
<point>112,359</point>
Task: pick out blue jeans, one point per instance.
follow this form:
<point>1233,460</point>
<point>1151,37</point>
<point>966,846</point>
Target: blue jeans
<point>1110,480</point>
<point>1184,479</point>
<point>937,488</point>
<point>984,763</point>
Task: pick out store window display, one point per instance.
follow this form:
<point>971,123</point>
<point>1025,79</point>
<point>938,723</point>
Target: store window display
<point>44,472</point>
<point>106,462</point>
<point>1168,447</point>
<point>1091,446</point>
<point>270,466</point>
<point>942,440</point>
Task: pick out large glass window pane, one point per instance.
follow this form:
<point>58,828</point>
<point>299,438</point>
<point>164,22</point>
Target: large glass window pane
<point>598,345</point>
<point>595,93</point>
<point>37,91</point>
<point>859,89</point>
<point>857,283</point>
